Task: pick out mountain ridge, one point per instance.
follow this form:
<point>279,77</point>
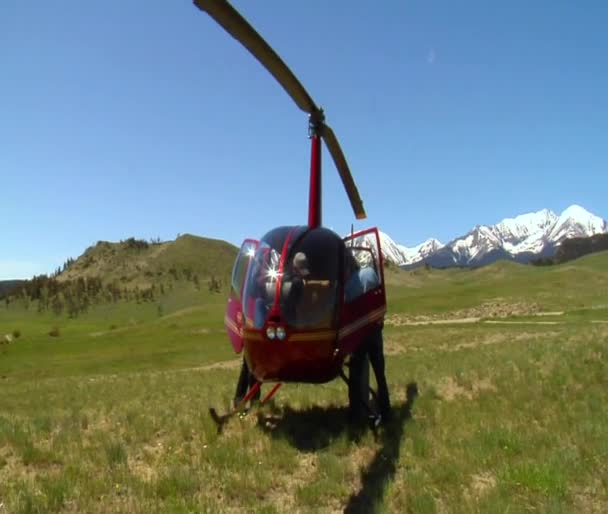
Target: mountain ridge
<point>522,239</point>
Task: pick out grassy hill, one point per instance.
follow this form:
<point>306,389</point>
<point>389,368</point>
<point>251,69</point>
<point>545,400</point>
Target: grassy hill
<point>131,270</point>
<point>137,262</point>
<point>576,285</point>
<point>510,362</point>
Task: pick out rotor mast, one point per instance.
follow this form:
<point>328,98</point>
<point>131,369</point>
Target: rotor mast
<point>315,212</point>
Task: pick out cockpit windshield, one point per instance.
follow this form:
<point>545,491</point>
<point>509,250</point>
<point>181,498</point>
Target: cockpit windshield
<point>294,276</point>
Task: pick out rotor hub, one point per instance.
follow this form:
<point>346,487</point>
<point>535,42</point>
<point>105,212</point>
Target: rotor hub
<point>316,120</point>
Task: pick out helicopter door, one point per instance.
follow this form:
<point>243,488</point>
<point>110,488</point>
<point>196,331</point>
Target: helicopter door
<point>364,295</point>
<point>234,310</point>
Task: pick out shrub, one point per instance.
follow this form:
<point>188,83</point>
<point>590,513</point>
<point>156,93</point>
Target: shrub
<point>55,332</point>
<point>16,333</point>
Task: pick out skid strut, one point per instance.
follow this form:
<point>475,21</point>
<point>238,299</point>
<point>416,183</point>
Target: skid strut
<point>239,407</point>
<point>271,393</point>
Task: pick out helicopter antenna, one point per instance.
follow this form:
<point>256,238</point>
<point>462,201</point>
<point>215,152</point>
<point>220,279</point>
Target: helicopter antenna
<point>230,19</point>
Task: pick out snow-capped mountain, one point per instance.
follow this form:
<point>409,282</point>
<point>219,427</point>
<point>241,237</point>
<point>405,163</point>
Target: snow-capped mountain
<point>523,238</point>
<point>420,252</point>
<point>399,254</point>
<point>577,222</point>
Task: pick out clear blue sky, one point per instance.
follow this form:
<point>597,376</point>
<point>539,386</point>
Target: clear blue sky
<point>143,118</point>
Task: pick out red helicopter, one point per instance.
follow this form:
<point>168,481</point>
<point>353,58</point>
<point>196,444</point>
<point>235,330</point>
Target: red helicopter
<point>290,308</point>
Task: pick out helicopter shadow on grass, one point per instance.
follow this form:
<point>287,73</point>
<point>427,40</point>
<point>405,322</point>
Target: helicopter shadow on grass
<point>315,428</point>
<point>310,429</point>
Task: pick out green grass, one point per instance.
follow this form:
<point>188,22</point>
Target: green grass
<point>576,285</point>
<point>112,415</point>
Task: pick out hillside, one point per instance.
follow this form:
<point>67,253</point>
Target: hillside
<point>498,289</point>
<point>6,286</point>
<point>138,263</point>
<point>168,273</point>
<point>577,247</point>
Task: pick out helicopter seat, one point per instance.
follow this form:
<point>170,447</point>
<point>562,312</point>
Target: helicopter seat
<point>316,303</point>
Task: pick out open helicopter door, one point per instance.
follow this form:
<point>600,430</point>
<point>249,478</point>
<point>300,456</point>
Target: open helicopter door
<point>234,310</point>
<point>364,295</point>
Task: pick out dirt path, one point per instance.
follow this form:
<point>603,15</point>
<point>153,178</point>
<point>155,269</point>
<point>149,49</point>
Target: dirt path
<point>522,322</point>
<point>489,312</point>
<point>461,321</point>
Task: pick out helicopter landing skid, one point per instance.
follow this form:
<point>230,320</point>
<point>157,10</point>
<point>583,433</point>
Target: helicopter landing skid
<point>239,408</point>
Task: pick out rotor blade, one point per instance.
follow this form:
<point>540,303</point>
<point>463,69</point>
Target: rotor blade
<point>347,179</point>
<point>229,18</point>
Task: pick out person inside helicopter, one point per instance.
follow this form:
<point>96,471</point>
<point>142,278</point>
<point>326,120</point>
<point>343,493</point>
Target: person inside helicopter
<point>304,292</point>
<point>293,283</point>
<point>361,277</point>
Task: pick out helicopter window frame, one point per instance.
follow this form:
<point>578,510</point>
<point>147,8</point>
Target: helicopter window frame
<point>241,267</point>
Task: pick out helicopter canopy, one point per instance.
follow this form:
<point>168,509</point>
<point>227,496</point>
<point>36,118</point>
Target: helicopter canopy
<point>294,279</point>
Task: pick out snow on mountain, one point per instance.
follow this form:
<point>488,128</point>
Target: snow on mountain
<point>421,251</point>
<point>399,254</point>
<point>391,250</point>
<point>527,232</point>
<point>577,222</point>
<point>522,238</point>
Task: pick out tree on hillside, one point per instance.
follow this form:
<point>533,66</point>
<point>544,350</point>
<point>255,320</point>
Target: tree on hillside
<point>542,261</point>
<point>26,299</point>
<point>43,302</point>
<point>136,244</point>
<point>58,304</point>
<point>84,302</point>
<point>576,247</point>
<point>215,286</point>
<point>72,304</point>
<point>67,264</point>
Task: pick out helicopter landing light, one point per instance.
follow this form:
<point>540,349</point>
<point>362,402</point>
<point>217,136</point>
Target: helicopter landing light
<point>270,333</point>
<point>280,332</point>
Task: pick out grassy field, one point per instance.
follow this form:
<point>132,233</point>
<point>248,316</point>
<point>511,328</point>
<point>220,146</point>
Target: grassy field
<point>499,408</point>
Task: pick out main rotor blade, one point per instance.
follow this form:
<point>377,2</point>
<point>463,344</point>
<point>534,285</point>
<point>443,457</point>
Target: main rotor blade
<point>347,179</point>
<point>229,18</point>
